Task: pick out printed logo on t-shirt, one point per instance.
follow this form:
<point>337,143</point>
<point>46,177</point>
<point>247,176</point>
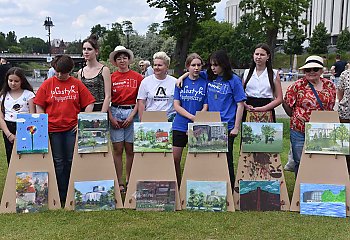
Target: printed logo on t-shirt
<point>126,83</point>
<point>161,94</point>
<point>218,87</point>
<point>61,95</point>
<point>187,94</point>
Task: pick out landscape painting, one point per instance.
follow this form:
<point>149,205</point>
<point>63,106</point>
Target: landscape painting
<point>259,195</point>
<point>262,137</point>
<point>94,195</point>
<point>327,138</point>
<point>153,137</point>
<point>206,195</point>
<point>32,133</point>
<point>155,195</point>
<point>323,200</point>
<point>92,133</point>
<point>32,191</point>
<point>207,137</point>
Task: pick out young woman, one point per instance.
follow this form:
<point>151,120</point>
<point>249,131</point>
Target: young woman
<point>188,99</point>
<point>62,97</point>
<point>95,76</point>
<point>16,97</point>
<point>262,84</point>
<point>123,112</point>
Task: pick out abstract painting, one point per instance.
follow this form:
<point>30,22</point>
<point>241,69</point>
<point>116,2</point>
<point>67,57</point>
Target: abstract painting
<point>323,200</point>
<point>32,191</point>
<point>153,137</point>
<point>94,195</point>
<point>32,133</point>
<point>259,195</point>
<point>327,138</point>
<point>207,137</point>
<point>155,195</point>
<point>206,195</point>
<point>262,137</point>
<point>92,133</point>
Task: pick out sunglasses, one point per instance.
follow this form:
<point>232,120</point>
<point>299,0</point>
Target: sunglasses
<point>312,69</point>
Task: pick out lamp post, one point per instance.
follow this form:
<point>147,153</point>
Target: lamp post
<point>48,25</point>
<point>290,39</point>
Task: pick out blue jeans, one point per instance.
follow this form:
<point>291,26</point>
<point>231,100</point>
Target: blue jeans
<point>297,140</point>
<point>62,146</point>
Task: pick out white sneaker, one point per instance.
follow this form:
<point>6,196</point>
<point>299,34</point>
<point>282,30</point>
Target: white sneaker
<point>289,166</point>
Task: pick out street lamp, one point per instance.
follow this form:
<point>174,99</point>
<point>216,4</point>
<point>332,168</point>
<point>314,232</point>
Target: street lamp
<point>290,39</point>
<point>48,25</point>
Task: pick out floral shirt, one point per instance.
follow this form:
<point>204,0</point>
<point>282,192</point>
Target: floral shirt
<point>301,99</point>
<point>344,104</point>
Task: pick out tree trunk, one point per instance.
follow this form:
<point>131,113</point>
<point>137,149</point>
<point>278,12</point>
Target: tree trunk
<point>181,50</point>
<point>271,41</point>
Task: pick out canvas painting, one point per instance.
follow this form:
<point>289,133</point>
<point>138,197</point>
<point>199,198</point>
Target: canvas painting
<point>327,138</point>
<point>92,133</point>
<point>207,137</point>
<point>206,195</point>
<point>262,137</point>
<point>153,137</point>
<point>155,195</point>
<point>94,195</point>
<point>323,200</point>
<point>259,116</point>
<point>32,133</point>
<point>32,191</point>
<point>261,195</point>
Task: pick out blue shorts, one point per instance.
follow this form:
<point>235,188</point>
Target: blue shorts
<point>122,134</point>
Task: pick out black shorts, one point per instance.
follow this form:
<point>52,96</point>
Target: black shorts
<point>180,139</point>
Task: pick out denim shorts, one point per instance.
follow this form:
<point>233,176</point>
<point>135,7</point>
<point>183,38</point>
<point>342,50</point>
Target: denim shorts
<point>122,134</point>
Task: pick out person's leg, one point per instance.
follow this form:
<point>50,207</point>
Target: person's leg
<point>8,145</point>
<point>118,159</point>
<point>229,156</point>
<point>297,140</point>
<point>69,143</point>
<point>177,154</point>
<point>129,153</point>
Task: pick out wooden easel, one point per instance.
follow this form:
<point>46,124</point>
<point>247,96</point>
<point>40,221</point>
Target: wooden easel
<point>322,169</point>
<point>206,166</point>
<point>151,166</point>
<point>92,167</point>
<point>29,163</point>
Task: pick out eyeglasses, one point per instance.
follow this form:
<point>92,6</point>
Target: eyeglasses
<point>312,69</point>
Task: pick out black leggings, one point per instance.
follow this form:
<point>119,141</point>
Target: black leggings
<point>8,145</point>
<point>229,156</point>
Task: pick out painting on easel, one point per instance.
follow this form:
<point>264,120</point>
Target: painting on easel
<point>153,137</point>
<point>327,138</point>
<point>262,137</point>
<point>92,133</point>
<point>32,133</point>
<point>32,190</point>
<point>207,137</point>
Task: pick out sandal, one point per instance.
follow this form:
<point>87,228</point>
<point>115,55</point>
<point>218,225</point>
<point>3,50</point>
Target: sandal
<point>122,188</point>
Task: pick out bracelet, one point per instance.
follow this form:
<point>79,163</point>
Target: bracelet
<point>9,136</point>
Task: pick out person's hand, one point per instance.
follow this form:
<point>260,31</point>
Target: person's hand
<point>258,109</point>
<point>234,132</point>
<point>126,123</point>
<point>249,107</point>
<point>11,137</point>
<point>114,123</point>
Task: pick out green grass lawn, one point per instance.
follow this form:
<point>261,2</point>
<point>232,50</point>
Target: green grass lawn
<point>131,224</point>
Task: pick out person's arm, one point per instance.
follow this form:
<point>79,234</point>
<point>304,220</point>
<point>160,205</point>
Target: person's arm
<point>340,94</point>
<point>106,74</point>
<point>31,106</point>
<point>89,107</point>
<point>239,114</point>
<point>141,107</point>
<point>205,108</point>
<point>180,80</point>
<point>39,109</point>
<point>287,109</point>
<point>333,70</point>
<point>131,116</point>
<point>180,110</point>
<point>79,73</point>
<point>11,137</point>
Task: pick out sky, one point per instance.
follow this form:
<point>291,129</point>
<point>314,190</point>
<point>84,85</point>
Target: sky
<point>73,19</point>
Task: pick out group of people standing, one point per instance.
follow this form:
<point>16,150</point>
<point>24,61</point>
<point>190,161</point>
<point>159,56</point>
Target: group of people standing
<point>126,94</point>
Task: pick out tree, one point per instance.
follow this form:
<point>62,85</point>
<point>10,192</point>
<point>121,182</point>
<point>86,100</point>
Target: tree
<point>268,131</point>
<point>14,49</point>
<point>343,40</point>
<point>128,30</point>
<point>342,134</point>
<point>274,16</point>
<point>11,38</point>
<point>293,45</point>
<point>182,19</point>
<point>110,40</point>
<point>3,43</point>
<point>33,45</point>
<point>75,47</point>
<point>98,30</point>
<point>319,40</point>
<point>153,28</point>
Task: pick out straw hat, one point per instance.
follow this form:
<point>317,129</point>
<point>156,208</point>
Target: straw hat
<point>119,49</point>
<point>313,62</point>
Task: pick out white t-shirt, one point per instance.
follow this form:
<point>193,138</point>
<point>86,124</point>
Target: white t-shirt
<point>15,106</point>
<point>159,94</point>
<point>259,86</point>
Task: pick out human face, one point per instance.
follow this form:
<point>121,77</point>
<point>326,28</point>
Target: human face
<point>122,62</point>
<point>160,69</point>
<point>216,68</point>
<point>88,51</point>
<point>260,57</point>
<point>194,68</point>
<point>62,76</point>
<point>312,75</point>
<point>14,82</point>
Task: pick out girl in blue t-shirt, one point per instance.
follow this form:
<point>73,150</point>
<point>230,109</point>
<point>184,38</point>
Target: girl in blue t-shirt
<point>188,99</point>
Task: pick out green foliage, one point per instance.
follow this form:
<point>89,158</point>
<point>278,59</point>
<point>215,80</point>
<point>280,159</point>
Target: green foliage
<point>342,134</point>
<point>11,38</point>
<point>293,45</point>
<point>33,45</point>
<point>111,39</point>
<point>343,40</point>
<point>328,196</point>
<point>3,43</point>
<point>14,49</point>
<point>319,40</point>
<point>98,30</point>
<point>75,47</point>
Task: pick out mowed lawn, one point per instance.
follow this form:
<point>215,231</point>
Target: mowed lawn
<point>132,224</point>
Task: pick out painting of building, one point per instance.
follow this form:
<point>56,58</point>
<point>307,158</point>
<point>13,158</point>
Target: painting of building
<point>94,195</point>
<point>153,137</point>
<point>260,195</point>
<point>32,133</point>
<point>31,191</point>
<point>207,137</point>
<point>323,200</point>
<point>155,195</point>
